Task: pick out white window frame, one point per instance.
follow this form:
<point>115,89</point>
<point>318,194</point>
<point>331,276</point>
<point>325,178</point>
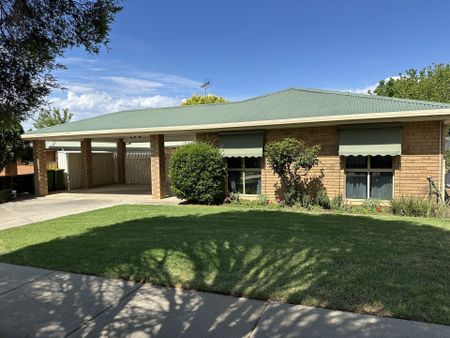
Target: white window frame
<point>244,171</point>
<point>369,170</point>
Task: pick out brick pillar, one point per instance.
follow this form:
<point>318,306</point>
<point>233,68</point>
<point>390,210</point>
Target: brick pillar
<point>121,155</point>
<point>86,163</point>
<point>11,169</point>
<point>40,168</point>
<point>158,166</point>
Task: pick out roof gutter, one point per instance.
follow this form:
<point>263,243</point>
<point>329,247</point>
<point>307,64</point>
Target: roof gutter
<point>415,115</point>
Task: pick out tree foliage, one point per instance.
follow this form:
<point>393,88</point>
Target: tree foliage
<point>52,117</point>
<point>197,173</point>
<point>202,99</point>
<point>291,160</point>
<point>428,84</point>
<point>431,83</point>
<point>33,33</point>
<point>10,143</point>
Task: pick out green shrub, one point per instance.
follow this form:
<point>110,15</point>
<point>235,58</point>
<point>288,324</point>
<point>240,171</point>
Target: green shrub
<point>306,201</point>
<point>417,207</point>
<point>197,173</point>
<point>370,205</point>
<point>5,195</point>
<point>233,198</point>
<point>441,210</point>
<point>337,202</point>
<point>322,199</point>
<point>262,199</point>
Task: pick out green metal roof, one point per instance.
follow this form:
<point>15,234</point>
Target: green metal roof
<point>286,104</point>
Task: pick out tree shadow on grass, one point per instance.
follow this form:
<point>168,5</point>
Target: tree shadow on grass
<point>396,268</point>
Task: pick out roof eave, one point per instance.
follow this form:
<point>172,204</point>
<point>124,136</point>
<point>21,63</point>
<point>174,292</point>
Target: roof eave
<point>403,116</point>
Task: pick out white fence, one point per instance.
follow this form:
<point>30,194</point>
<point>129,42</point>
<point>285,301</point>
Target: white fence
<point>102,168</point>
<point>137,168</point>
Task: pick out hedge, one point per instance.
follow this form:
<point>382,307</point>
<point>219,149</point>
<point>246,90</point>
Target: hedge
<point>197,173</point>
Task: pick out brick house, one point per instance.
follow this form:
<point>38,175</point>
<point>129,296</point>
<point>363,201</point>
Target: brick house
<point>371,146</point>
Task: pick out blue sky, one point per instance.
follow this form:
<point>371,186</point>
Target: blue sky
<point>160,51</point>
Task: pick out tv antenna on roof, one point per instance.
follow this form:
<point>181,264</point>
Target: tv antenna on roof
<point>205,86</point>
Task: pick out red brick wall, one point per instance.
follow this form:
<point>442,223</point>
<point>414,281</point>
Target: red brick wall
<point>421,157</point>
<point>423,144</point>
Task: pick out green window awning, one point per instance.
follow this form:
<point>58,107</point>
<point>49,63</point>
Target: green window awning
<point>370,141</point>
<point>248,144</point>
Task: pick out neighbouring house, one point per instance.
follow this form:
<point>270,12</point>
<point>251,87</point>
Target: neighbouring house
<point>371,146</point>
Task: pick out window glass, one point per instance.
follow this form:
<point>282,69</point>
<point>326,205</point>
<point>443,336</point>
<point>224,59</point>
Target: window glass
<point>252,162</point>
<point>381,185</point>
<point>235,182</point>
<point>356,162</point>
<point>381,162</point>
<point>252,182</point>
<point>244,175</point>
<point>356,185</point>
<point>234,162</point>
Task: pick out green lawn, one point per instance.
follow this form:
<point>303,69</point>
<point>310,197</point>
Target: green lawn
<point>383,265</point>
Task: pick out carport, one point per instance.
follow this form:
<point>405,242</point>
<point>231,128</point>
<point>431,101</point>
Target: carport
<point>158,187</point>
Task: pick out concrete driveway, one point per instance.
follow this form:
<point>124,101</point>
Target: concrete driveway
<point>30,210</point>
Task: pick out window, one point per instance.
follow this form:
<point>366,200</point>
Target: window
<point>368,177</point>
<point>244,175</point>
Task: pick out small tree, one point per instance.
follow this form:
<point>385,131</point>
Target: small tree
<point>52,117</point>
<point>291,160</point>
<point>197,173</point>
<point>202,99</point>
<point>11,144</point>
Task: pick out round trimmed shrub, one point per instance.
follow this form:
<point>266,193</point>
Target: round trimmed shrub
<point>197,173</point>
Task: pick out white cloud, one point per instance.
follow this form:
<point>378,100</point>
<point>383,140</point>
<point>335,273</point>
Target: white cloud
<point>362,90</point>
<point>93,103</point>
<point>88,104</point>
<point>69,60</point>
<point>80,88</point>
<point>174,80</point>
<point>92,89</point>
<point>133,84</point>
<point>365,89</point>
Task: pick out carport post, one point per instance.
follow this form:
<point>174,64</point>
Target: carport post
<point>158,166</point>
<point>121,156</point>
<point>86,163</point>
<point>40,168</point>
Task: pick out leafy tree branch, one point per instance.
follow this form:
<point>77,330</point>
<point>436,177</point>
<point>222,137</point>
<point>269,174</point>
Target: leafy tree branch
<point>52,117</point>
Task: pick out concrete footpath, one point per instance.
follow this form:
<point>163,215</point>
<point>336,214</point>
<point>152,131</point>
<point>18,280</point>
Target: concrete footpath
<point>43,303</point>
